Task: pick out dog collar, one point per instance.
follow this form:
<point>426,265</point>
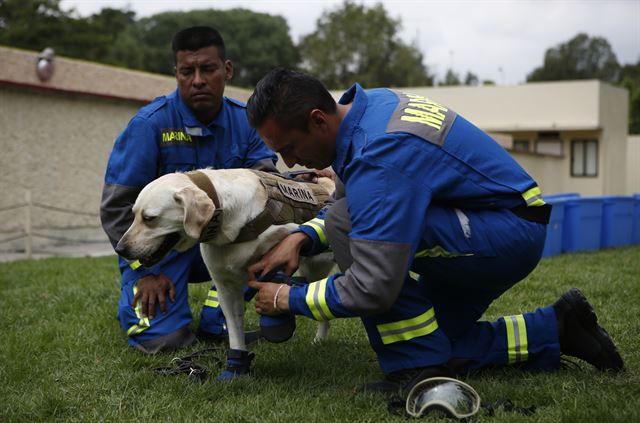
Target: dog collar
<point>203,182</point>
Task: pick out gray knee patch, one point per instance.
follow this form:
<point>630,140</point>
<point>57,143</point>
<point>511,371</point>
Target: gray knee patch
<point>170,342</point>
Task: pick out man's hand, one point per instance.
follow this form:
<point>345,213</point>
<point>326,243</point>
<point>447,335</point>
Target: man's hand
<point>313,175</point>
<point>152,289</point>
<point>285,256</point>
<point>266,293</point>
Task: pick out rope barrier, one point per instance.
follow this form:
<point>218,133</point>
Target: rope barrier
<point>71,240</point>
<point>60,209</point>
<point>66,228</point>
<point>47,207</point>
<point>17,206</point>
<point>13,238</point>
<point>28,233</point>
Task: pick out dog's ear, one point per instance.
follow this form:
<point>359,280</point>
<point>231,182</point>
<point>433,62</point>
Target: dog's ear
<point>198,210</point>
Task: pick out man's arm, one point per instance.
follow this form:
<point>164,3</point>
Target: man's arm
<point>132,164</point>
<point>387,212</point>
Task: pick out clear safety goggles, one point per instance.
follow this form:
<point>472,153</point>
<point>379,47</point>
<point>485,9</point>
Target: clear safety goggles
<point>453,397</point>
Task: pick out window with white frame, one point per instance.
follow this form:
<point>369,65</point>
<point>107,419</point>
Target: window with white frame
<point>584,157</point>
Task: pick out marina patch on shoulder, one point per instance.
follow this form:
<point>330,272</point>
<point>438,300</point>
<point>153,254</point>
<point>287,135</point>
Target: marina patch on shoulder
<point>422,117</point>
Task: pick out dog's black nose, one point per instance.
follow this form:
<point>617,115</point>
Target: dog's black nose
<point>121,250</point>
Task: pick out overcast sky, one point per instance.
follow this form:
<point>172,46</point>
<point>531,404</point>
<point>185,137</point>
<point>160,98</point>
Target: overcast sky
<point>501,40</point>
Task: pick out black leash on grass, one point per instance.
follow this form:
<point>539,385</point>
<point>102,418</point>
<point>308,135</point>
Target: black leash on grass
<point>189,366</point>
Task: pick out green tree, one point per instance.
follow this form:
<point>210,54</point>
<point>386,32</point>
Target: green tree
<point>582,57</point>
<point>255,42</point>
<point>355,43</point>
<point>451,78</point>
<point>31,24</point>
<point>35,24</point>
<point>471,79</point>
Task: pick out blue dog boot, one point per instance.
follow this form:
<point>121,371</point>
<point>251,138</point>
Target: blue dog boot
<point>238,364</point>
<point>279,328</point>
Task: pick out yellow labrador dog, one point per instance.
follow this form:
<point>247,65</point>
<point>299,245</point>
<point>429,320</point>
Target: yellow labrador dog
<point>236,215</point>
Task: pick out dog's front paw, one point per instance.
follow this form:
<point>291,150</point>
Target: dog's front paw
<point>238,364</point>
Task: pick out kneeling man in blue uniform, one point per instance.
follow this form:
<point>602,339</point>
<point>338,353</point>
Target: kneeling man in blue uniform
<point>194,127</point>
<point>434,221</point>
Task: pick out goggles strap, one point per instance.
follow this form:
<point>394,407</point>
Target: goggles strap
<point>491,408</point>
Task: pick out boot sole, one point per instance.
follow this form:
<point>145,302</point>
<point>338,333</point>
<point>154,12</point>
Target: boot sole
<point>589,320</point>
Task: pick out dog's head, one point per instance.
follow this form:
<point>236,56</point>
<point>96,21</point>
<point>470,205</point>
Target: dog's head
<point>169,213</point>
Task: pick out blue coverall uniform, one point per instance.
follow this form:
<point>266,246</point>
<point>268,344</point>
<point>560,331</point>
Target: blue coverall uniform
<point>164,137</point>
<point>436,233</point>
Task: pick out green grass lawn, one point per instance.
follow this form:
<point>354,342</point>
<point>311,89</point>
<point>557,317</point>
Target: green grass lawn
<point>63,356</point>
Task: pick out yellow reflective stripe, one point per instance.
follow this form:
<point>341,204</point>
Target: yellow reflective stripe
<point>524,343</point>
<point>533,197</point>
<point>517,344</point>
<point>135,330</point>
<point>211,303</point>
<point>414,276</point>
<point>143,322</point>
<point>511,349</point>
<point>317,301</point>
<point>438,251</point>
<point>318,226</point>
<point>404,330</point>
<point>134,265</point>
<point>212,299</point>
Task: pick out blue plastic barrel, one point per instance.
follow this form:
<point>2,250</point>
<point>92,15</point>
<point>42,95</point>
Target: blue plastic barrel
<point>617,221</point>
<point>561,196</point>
<point>635,239</point>
<point>582,224</point>
<point>553,241</point>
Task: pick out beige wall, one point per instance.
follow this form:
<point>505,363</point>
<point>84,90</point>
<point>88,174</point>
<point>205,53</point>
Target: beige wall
<point>633,164</point>
<point>546,170</point>
<point>56,138</point>
<point>534,106</point>
<point>55,145</point>
<point>79,76</point>
<point>614,118</point>
<point>553,173</point>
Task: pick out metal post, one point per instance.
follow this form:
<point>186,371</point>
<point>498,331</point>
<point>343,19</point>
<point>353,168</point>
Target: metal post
<point>27,225</point>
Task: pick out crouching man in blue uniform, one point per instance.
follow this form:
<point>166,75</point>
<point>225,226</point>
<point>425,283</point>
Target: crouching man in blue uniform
<point>434,222</point>
<point>194,127</point>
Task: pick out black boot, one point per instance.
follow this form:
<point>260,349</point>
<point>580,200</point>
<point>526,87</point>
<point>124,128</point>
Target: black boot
<point>580,334</point>
<point>401,381</point>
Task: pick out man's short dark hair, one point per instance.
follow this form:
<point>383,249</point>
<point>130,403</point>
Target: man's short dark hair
<point>197,37</point>
<point>288,96</point>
